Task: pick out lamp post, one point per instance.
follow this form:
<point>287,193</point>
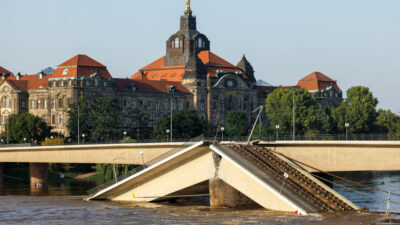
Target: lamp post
<point>347,125</point>
<point>142,153</point>
<point>83,138</point>
<point>2,141</point>
<point>167,134</point>
<point>294,114</point>
<point>51,137</point>
<point>222,129</point>
<point>277,131</point>
<point>171,121</point>
<point>124,134</point>
<point>24,140</point>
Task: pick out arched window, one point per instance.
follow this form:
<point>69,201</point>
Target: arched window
<point>6,102</point>
<point>200,43</point>
<point>177,40</point>
<point>38,104</point>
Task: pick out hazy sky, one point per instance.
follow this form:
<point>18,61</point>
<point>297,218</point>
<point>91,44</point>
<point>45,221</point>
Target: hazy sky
<point>356,42</point>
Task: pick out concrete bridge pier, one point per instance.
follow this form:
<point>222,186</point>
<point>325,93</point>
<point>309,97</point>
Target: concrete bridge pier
<point>223,195</point>
<point>38,175</point>
<point>1,175</point>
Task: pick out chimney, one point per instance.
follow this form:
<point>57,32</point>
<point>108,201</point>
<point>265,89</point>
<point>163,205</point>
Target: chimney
<point>19,75</point>
<point>41,75</point>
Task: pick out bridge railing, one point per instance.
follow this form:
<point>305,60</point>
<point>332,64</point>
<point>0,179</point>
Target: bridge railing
<point>320,137</point>
<point>137,169</point>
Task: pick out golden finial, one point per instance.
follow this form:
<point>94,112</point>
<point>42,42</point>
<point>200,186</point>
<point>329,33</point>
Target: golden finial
<point>188,10</point>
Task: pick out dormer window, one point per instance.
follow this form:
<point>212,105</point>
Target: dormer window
<point>177,43</point>
<point>201,43</point>
<point>65,72</point>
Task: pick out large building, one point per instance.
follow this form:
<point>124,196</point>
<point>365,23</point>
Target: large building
<point>188,77</point>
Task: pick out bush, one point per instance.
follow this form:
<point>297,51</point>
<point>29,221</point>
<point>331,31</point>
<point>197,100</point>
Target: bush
<point>55,141</point>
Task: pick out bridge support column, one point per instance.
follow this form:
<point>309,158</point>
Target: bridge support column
<point>223,195</point>
<point>38,175</point>
<point>1,175</point>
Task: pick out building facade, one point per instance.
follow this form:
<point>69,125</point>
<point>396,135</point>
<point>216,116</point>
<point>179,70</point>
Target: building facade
<point>189,77</point>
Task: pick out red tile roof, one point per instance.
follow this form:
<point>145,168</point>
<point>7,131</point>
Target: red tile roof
<point>158,71</point>
<point>80,66</point>
<point>30,82</point>
<point>149,85</point>
<point>81,60</point>
<point>4,70</point>
<point>317,81</point>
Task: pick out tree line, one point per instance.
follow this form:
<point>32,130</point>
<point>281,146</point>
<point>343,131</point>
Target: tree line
<point>100,120</point>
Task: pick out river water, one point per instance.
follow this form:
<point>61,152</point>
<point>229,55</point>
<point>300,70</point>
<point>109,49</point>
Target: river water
<point>63,204</point>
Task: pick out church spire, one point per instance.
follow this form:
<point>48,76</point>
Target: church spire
<point>188,10</point>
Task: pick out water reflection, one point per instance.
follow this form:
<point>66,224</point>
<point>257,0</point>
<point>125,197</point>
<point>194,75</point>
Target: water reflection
<point>63,204</point>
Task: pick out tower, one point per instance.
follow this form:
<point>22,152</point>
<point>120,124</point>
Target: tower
<point>186,41</point>
<point>247,68</point>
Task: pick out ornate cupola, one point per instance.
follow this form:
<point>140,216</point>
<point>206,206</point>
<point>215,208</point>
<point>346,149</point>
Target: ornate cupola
<point>247,68</point>
<point>186,41</point>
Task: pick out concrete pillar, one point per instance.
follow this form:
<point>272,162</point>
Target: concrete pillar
<point>38,175</point>
<point>223,195</point>
<point>1,175</point>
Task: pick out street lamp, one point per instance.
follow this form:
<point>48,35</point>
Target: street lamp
<point>277,131</point>
<point>222,129</point>
<point>24,140</point>
<point>124,134</point>
<point>347,125</point>
<point>142,153</point>
<point>167,133</point>
<point>83,138</point>
<point>51,137</point>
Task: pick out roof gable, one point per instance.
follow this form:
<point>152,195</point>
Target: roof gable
<point>4,70</point>
<point>81,60</point>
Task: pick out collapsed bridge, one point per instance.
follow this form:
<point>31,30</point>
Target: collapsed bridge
<point>233,175</point>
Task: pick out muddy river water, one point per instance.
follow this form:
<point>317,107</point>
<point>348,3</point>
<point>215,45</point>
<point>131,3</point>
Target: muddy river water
<point>63,204</point>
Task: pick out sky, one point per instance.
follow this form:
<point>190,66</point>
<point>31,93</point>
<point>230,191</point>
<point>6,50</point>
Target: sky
<point>356,42</point>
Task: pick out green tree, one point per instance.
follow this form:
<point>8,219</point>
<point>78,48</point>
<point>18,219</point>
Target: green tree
<point>358,110</point>
<point>279,111</point>
<point>236,123</point>
<point>387,122</point>
<point>185,124</point>
<point>141,130</point>
<point>84,119</point>
<point>104,115</point>
<point>28,126</point>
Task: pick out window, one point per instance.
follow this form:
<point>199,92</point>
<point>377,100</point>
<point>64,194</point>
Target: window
<point>60,103</point>
<point>62,83</point>
<point>157,105</point>
<point>53,104</point>
<point>23,104</point>
<point>70,83</point>
<point>96,82</point>
<point>54,84</point>
<point>32,104</point>
<point>60,118</point>
<point>45,104</point>
<point>200,43</point>
<point>53,119</point>
<point>87,83</point>
<point>45,118</point>
<point>105,84</point>
<point>6,102</point>
<point>65,72</point>
<point>125,103</point>
<point>180,106</point>
<point>177,40</point>
<point>38,104</point>
<point>134,104</point>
